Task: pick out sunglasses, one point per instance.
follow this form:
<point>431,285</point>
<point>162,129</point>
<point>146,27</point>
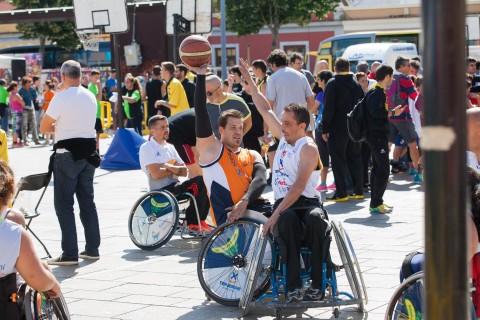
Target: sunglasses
<point>209,94</point>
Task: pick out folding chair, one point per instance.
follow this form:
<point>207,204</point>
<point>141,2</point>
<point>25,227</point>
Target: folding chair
<point>33,182</point>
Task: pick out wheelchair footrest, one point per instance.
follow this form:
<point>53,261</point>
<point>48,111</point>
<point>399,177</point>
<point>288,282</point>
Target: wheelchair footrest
<point>328,302</point>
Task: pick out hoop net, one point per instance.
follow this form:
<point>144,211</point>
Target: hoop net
<point>89,39</point>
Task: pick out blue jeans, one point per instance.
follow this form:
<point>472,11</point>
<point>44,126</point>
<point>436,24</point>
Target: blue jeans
<point>75,177</point>
<point>4,120</point>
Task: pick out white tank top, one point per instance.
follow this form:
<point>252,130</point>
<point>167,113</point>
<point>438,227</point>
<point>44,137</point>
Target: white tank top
<point>285,167</point>
<point>10,238</point>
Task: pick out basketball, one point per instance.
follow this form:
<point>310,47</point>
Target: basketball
<point>195,51</point>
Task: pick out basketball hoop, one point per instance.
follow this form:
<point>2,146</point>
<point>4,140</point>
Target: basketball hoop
<point>89,38</point>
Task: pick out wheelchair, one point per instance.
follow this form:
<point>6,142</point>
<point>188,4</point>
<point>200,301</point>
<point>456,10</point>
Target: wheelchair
<point>157,215</point>
<point>38,307</point>
<point>237,265</point>
<point>407,300</point>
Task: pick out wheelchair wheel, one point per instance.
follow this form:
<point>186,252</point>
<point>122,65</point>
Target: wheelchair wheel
<point>224,262</point>
<point>406,301</point>
<point>349,268</point>
<point>254,271</point>
<point>352,253</point>
<point>39,307</point>
<point>153,220</point>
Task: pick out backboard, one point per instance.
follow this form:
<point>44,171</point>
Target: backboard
<point>199,12</point>
<point>110,16</point>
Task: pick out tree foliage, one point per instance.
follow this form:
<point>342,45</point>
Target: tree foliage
<point>60,32</point>
<point>248,17</point>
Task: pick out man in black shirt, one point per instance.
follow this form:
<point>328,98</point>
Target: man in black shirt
<point>250,139</point>
<point>153,92</point>
<point>342,93</point>
<point>182,137</point>
<point>377,137</point>
<point>181,74</point>
<point>237,79</point>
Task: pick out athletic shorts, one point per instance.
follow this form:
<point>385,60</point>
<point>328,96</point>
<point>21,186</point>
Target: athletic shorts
<point>405,129</point>
<point>186,153</point>
<point>98,126</point>
<point>400,142</point>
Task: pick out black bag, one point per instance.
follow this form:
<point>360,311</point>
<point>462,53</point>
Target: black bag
<point>357,121</point>
<point>9,309</point>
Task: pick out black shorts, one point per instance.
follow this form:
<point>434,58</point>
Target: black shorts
<point>186,153</point>
<point>98,126</point>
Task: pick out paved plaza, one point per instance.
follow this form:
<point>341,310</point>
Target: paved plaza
<point>128,283</point>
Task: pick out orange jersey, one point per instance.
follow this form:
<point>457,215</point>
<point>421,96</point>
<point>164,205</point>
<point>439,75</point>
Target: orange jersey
<point>227,180</point>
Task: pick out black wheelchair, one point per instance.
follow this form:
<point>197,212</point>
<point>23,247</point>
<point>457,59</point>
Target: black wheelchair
<point>157,216</point>
<point>29,304</point>
<point>38,306</point>
<point>237,265</point>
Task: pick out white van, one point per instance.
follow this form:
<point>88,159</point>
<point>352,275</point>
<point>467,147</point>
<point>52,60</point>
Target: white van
<point>386,53</point>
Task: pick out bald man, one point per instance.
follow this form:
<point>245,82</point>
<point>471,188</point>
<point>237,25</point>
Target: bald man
<point>219,101</point>
<point>321,65</point>
<point>473,138</point>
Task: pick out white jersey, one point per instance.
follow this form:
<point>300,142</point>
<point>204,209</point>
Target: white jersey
<point>10,239</point>
<point>285,167</point>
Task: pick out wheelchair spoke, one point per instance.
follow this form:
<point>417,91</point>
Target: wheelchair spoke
<point>225,259</point>
<point>153,220</point>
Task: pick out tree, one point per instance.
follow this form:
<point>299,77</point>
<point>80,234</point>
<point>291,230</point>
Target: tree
<point>248,17</point>
<point>60,32</point>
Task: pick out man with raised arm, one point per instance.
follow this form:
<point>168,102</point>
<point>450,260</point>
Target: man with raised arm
<point>298,213</point>
<point>235,177</point>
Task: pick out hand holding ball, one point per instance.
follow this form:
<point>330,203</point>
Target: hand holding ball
<point>195,51</point>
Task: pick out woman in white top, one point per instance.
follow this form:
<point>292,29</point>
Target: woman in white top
<point>18,253</point>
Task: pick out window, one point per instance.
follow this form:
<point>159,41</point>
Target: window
<point>339,46</point>
<point>299,47</point>
<point>410,38</point>
<point>289,49</point>
<point>231,56</point>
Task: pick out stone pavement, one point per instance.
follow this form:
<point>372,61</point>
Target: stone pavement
<point>128,283</point>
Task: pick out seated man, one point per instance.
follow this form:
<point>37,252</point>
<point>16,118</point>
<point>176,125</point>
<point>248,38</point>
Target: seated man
<point>235,177</point>
<point>298,212</point>
<point>162,164</point>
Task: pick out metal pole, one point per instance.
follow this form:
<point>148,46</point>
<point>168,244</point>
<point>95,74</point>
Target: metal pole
<point>223,27</point>
<point>445,175</point>
<point>175,35</point>
<point>116,52</point>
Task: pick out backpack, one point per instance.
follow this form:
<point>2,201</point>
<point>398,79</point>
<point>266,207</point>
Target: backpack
<point>410,304</point>
<point>412,264</point>
<point>357,121</point>
<point>394,94</point>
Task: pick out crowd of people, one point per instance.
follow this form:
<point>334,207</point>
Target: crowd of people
<point>219,134</point>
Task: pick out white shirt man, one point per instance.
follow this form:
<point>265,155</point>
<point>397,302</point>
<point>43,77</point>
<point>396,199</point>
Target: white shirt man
<point>162,164</point>
<point>71,115</point>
